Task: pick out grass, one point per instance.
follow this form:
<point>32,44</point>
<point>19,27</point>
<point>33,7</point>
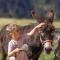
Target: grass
<point>0,54</point>
<point>4,21</point>
<point>57,24</point>
<point>45,56</point>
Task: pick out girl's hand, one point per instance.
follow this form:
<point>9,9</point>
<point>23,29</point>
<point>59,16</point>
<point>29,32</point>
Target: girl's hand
<point>40,25</point>
<point>18,50</point>
<point>35,29</point>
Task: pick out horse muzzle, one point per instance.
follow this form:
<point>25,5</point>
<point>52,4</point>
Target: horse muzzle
<point>48,47</point>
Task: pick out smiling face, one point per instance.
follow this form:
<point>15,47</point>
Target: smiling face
<point>14,31</point>
<point>15,35</point>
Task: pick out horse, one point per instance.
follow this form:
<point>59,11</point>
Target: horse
<point>57,50</point>
<point>38,41</point>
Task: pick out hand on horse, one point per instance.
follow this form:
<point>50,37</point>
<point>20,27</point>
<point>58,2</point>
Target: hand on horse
<point>40,25</point>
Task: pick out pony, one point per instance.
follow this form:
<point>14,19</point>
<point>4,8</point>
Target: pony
<point>57,50</point>
<point>38,41</point>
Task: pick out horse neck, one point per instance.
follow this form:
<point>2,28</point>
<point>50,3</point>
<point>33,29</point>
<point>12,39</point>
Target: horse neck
<point>28,28</point>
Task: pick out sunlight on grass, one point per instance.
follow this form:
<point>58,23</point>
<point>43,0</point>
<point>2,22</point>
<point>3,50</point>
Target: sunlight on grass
<point>45,56</point>
<point>17,21</point>
<point>4,21</point>
<point>57,24</point>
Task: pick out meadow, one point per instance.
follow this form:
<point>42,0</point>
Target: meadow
<point>22,22</point>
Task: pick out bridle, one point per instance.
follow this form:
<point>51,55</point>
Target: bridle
<point>43,41</point>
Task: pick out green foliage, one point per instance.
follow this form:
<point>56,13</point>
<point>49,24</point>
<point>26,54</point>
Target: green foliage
<point>45,56</point>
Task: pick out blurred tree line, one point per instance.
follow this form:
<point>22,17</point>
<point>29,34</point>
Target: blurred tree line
<point>15,8</point>
<point>22,8</point>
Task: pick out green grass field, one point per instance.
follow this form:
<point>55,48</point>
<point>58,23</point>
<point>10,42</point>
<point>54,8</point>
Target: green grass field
<point>4,21</point>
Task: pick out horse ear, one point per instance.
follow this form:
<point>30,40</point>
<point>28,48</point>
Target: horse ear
<point>33,14</point>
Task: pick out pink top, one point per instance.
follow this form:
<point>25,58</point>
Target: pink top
<point>16,44</point>
<point>12,45</point>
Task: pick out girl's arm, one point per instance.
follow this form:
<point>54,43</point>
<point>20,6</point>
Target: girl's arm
<point>12,52</point>
<point>35,29</point>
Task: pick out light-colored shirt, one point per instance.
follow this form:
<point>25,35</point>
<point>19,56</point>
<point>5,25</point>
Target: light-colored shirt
<point>11,46</point>
<point>17,44</point>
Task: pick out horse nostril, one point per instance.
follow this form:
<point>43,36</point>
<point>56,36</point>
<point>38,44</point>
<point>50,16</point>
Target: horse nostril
<point>48,50</point>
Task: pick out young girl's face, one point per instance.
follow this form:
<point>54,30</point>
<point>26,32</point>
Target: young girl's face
<point>16,35</point>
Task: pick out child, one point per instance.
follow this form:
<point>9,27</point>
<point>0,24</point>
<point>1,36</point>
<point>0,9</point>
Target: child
<point>15,46</point>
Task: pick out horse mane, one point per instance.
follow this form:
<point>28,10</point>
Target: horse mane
<point>28,28</point>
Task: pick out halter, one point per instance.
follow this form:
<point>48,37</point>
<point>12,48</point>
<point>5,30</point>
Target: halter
<point>44,41</point>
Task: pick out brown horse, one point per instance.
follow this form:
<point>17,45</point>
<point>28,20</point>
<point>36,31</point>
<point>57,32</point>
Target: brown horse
<point>36,44</point>
<point>57,50</point>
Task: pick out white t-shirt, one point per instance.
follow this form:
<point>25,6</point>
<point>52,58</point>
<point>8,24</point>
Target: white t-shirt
<point>11,46</point>
<point>16,44</point>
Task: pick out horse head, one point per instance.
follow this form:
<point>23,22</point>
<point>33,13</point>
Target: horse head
<point>46,34</point>
<point>46,37</point>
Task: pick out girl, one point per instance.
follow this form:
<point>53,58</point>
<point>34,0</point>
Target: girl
<point>15,47</point>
